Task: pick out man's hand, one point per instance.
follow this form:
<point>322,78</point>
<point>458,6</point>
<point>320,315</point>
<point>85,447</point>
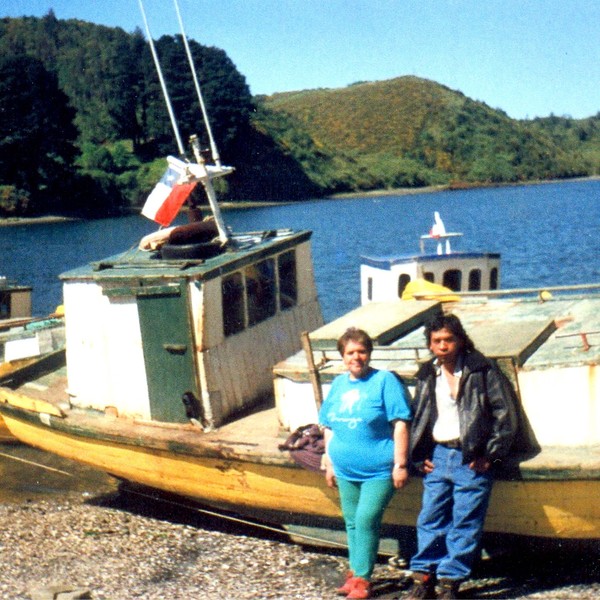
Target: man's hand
<point>480,465</point>
<point>427,466</point>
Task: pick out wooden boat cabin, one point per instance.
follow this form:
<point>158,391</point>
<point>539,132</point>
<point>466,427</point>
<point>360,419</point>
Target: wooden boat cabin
<point>21,335</point>
<point>385,278</point>
<point>15,301</point>
<point>188,339</point>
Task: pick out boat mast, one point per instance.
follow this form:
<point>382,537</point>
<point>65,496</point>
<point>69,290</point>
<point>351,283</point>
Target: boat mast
<point>163,85</point>
<point>213,146</point>
<point>199,171</point>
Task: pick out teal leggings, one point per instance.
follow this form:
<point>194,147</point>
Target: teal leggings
<point>363,504</point>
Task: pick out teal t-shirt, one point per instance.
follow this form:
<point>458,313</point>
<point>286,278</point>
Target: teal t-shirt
<point>360,414</point>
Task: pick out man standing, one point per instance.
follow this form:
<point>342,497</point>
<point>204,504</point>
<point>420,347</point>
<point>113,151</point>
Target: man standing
<point>466,420</point>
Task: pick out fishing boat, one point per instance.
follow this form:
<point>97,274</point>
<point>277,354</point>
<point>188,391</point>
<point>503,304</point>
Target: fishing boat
<point>169,379</point>
<point>548,344</point>
<point>169,355</point>
<point>28,344</point>
<point>438,267</point>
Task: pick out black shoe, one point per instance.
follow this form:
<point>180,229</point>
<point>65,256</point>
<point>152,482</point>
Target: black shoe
<point>423,587</point>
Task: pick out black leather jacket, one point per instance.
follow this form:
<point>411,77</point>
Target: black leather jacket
<point>487,407</point>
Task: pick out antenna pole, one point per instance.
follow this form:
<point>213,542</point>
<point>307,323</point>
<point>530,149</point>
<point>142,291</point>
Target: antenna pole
<point>162,82</point>
<point>213,147</point>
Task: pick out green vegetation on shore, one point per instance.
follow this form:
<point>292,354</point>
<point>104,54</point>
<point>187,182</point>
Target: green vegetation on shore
<point>84,128</point>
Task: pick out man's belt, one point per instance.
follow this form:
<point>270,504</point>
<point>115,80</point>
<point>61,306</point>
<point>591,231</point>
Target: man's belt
<point>452,444</point>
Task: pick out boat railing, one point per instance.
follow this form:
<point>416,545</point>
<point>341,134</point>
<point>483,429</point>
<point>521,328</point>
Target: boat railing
<point>583,335</point>
<point>543,293</point>
<point>324,357</point>
<point>439,239</point>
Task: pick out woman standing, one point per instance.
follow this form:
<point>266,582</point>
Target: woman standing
<point>365,416</point>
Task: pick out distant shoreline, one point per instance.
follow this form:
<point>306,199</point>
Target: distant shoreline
<point>431,189</point>
<point>456,187</point>
<point>9,221</point>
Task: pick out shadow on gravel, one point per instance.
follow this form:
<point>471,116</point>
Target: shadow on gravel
<point>535,568</point>
<point>510,569</point>
<point>323,564</point>
<point>155,504</point>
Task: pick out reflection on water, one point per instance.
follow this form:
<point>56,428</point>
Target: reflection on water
<point>30,474</point>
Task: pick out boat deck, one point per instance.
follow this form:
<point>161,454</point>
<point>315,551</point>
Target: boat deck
<point>255,436</point>
<point>532,334</point>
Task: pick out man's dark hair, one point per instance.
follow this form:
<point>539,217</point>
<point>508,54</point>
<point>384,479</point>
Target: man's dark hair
<point>451,323</point>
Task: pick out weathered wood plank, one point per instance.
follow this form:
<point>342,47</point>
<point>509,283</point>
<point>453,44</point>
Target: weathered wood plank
<point>32,404</point>
<point>383,321</point>
<point>517,340</point>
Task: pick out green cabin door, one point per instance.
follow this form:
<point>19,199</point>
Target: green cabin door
<point>168,350</point>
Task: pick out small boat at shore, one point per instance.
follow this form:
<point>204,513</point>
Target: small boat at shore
<point>28,344</point>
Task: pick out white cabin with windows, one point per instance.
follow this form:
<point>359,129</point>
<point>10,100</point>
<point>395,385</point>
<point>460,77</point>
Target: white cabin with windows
<point>170,340</point>
<point>385,278</point>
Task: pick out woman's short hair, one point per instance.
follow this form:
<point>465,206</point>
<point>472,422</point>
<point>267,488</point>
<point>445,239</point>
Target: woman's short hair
<point>451,323</point>
<point>353,334</point>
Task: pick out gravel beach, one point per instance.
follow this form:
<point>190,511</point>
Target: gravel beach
<point>119,547</point>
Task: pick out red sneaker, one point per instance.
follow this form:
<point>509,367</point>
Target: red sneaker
<point>361,589</point>
<point>346,588</point>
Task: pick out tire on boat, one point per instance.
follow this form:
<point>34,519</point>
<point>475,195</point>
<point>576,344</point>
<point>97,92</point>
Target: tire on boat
<point>194,251</point>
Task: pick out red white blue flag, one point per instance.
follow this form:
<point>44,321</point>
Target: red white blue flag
<point>167,198</point>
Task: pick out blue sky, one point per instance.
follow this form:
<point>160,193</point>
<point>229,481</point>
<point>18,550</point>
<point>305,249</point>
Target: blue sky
<point>527,57</point>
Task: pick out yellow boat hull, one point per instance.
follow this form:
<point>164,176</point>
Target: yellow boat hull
<point>546,508</point>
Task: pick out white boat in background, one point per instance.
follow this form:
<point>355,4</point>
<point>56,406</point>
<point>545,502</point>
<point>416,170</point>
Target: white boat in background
<point>15,302</point>
<point>23,337</point>
<point>437,266</point>
<point>28,345</point>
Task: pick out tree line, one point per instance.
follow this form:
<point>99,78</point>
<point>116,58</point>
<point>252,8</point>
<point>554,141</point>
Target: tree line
<point>84,128</point>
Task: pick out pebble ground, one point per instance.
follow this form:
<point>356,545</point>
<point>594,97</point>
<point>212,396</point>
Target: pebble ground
<point>121,547</point>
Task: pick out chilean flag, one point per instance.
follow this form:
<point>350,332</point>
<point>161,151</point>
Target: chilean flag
<point>167,198</point>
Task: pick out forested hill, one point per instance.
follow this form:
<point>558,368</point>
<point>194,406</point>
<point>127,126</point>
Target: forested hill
<point>84,128</point>
<point>412,131</point>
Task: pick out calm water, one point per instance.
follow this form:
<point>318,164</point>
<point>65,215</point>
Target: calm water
<point>547,234</point>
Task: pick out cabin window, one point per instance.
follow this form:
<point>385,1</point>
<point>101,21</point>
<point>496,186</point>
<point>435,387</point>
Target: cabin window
<point>369,288</point>
<point>4,305</point>
<point>288,284</point>
<point>428,276</point>
<point>494,279</point>
<point>251,296</point>
<point>232,290</point>
<point>475,280</point>
<point>453,279</point>
<point>403,281</point>
<point>260,290</point>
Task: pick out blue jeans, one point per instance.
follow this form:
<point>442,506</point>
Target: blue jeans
<point>363,504</point>
<point>450,524</point>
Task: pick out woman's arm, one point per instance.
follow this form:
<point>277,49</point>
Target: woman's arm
<point>400,470</point>
<point>329,474</point>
